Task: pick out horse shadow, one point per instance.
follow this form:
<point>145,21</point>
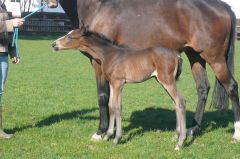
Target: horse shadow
<point>53,119</point>
<point>149,119</point>
<point>159,119</point>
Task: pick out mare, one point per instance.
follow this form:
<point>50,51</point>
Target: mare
<point>203,29</point>
<point>122,65</point>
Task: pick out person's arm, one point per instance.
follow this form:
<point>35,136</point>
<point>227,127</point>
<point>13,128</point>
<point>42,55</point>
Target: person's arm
<point>8,25</point>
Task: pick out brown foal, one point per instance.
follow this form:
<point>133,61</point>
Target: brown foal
<point>123,65</point>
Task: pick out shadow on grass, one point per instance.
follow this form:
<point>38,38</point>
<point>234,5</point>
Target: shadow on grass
<point>81,114</point>
<point>152,119</point>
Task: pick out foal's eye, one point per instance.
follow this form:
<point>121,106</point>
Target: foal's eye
<point>70,37</point>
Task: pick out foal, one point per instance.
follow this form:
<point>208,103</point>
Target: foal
<point>123,65</point>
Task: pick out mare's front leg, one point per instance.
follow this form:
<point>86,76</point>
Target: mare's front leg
<point>198,66</point>
<point>103,99</point>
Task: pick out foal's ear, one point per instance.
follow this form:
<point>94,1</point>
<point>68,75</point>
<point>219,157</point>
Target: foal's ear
<point>83,30</point>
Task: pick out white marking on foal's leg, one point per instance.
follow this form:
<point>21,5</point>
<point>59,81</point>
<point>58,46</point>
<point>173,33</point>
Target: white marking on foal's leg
<point>96,137</point>
<point>110,130</point>
<point>154,74</point>
<point>236,135</point>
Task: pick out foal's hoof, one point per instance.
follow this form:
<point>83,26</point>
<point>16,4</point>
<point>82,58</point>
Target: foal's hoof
<point>116,141</point>
<point>178,148</point>
<point>106,138</point>
<point>96,137</point>
<point>235,140</point>
<point>175,138</point>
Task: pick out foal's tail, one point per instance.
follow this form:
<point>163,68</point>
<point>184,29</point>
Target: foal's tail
<point>179,68</point>
<point>220,99</point>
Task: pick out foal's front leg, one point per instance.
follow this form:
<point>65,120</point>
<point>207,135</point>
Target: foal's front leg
<point>115,111</point>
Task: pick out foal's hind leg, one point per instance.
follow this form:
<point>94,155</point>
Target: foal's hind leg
<point>169,83</point>
<point>226,79</point>
<point>198,66</point>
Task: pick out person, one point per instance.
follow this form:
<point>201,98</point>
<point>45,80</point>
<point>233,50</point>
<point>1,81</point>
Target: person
<point>6,26</point>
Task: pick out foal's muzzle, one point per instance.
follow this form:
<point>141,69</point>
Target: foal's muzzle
<point>55,47</point>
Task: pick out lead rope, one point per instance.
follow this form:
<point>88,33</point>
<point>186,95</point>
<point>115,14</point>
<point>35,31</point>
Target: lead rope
<point>16,30</point>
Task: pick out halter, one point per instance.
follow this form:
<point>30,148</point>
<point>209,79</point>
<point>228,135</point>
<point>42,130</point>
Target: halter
<point>16,30</point>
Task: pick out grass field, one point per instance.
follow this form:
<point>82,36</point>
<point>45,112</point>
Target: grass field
<point>50,104</point>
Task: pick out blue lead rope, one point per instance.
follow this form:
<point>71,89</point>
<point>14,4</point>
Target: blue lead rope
<point>16,30</point>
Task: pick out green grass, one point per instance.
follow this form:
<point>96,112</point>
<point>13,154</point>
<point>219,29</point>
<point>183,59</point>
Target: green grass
<point>50,104</point>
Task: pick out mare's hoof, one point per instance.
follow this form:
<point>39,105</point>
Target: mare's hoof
<point>4,135</point>
<point>190,132</point>
<point>193,131</point>
<point>96,137</point>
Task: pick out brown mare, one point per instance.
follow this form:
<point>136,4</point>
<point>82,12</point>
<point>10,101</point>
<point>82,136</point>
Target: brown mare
<point>203,29</point>
<point>122,65</point>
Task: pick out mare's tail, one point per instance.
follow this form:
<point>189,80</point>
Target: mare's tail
<point>220,99</point>
<point>179,69</point>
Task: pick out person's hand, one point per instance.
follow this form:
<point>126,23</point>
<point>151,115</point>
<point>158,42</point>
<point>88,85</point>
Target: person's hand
<point>15,60</point>
<point>17,22</point>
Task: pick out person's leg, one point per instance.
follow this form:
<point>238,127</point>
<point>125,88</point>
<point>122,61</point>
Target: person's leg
<point>3,77</point>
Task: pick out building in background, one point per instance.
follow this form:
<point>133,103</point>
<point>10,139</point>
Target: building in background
<point>45,21</point>
<point>19,6</point>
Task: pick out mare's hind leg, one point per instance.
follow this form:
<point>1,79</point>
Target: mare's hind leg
<point>226,79</point>
<point>198,66</point>
<point>103,99</point>
<point>169,83</point>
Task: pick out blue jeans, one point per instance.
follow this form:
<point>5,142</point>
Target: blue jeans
<point>3,74</point>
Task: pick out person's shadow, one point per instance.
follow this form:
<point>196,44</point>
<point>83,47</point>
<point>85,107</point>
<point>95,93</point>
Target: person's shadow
<point>152,119</point>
